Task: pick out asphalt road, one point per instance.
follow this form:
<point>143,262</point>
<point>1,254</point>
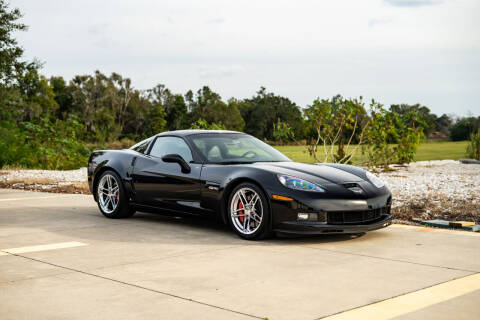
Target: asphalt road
<point>61,259</point>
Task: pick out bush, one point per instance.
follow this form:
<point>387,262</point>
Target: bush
<point>44,145</point>
<point>12,145</point>
<point>338,121</point>
<point>379,134</point>
<point>282,132</point>
<point>392,137</point>
<point>473,149</point>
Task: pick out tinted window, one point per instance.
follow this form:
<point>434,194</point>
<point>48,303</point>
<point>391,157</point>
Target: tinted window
<point>236,148</point>
<point>141,146</point>
<point>171,145</point>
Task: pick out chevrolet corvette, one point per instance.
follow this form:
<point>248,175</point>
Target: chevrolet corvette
<point>249,185</point>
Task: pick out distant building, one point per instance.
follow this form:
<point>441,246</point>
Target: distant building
<point>437,135</point>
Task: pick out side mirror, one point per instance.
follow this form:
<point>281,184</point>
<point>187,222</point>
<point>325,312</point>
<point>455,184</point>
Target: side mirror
<point>177,159</point>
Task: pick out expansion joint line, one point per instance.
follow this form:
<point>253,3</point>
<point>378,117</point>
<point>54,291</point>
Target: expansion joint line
<point>139,287</point>
<point>393,260</point>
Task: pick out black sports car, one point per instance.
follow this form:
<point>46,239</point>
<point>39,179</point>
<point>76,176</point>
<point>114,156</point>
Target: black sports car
<point>252,187</point>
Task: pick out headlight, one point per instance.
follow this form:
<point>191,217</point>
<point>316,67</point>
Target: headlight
<point>299,184</point>
<point>373,179</point>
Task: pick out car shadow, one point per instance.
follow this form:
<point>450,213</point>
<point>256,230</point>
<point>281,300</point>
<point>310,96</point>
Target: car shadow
<point>86,222</point>
<point>218,227</point>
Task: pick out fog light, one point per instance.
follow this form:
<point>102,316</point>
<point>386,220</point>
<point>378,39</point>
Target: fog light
<point>312,216</point>
<point>302,216</point>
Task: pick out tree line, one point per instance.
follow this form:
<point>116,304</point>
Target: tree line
<point>54,122</point>
<point>110,108</point>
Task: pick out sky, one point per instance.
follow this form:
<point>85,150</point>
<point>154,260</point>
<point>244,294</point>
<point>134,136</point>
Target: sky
<point>394,51</point>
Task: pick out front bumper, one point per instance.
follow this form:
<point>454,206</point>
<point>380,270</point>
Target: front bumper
<point>342,215</point>
<point>295,227</point>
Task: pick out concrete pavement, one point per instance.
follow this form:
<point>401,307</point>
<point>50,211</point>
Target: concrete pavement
<point>61,259</point>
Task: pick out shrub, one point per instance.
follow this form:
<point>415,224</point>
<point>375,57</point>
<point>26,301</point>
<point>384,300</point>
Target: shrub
<point>379,150</point>
<point>44,144</point>
<point>392,137</point>
<point>473,148</point>
<point>339,122</point>
<point>282,132</point>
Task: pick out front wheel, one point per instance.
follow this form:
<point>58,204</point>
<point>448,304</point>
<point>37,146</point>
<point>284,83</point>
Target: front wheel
<point>112,200</point>
<point>249,213</point>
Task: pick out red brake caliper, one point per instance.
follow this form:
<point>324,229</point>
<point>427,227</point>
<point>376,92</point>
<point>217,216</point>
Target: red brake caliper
<point>240,206</point>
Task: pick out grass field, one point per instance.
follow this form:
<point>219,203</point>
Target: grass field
<point>439,150</point>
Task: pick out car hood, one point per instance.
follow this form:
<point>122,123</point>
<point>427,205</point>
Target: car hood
<point>317,173</point>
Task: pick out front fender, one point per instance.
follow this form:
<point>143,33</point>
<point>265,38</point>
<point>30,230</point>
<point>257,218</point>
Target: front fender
<point>219,181</point>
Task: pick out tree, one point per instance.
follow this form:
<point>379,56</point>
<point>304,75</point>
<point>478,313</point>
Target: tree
<point>264,109</point>
<point>336,122</point>
<point>38,97</point>
<point>92,102</point>
<point>174,106</point>
<point>176,113</point>
<point>121,97</point>
<point>140,117</point>
<point>392,137</point>
<point>203,124</point>
<point>380,135</point>
<point>208,105</point>
<point>424,117</point>
<point>157,121</point>
<point>63,96</point>
<point>10,51</point>
<point>282,132</point>
<point>410,131</point>
<point>463,127</point>
<point>443,124</point>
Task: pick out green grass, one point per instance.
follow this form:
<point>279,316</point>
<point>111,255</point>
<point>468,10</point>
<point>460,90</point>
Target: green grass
<point>438,150</point>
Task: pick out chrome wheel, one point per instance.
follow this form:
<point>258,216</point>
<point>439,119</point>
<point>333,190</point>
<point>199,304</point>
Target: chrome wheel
<point>246,210</point>
<point>108,193</point>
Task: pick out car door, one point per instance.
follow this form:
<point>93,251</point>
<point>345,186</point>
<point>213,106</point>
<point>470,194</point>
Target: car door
<point>163,184</point>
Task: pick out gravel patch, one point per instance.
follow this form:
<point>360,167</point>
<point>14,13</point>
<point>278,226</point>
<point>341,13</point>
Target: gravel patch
<point>68,181</point>
<point>443,189</point>
<point>55,175</point>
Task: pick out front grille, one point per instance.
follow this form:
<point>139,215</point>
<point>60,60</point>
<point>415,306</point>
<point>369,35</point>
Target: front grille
<point>351,217</point>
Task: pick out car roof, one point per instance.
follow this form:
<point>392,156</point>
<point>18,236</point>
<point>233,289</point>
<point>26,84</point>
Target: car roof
<point>183,133</point>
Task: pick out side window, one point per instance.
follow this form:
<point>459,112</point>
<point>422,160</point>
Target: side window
<point>171,145</point>
<point>142,146</point>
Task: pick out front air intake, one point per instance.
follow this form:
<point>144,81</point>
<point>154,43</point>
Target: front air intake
<point>355,217</point>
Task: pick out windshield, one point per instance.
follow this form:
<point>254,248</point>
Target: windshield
<point>236,148</point>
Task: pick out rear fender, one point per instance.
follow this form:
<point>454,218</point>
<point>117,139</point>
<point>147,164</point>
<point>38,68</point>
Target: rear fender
<point>118,161</point>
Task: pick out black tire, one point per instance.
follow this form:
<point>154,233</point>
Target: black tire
<point>123,208</point>
<point>264,229</point>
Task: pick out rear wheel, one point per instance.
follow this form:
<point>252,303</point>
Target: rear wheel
<point>112,200</point>
<point>249,213</point>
